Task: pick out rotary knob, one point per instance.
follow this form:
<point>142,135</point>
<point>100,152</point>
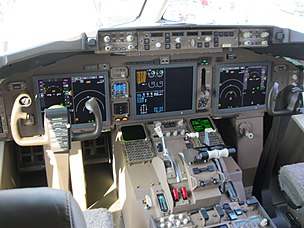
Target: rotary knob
<point>130,38</point>
<point>107,39</point>
<point>247,34</point>
<point>264,34</point>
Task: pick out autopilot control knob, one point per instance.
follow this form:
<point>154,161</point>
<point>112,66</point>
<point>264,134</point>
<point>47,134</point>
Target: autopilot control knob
<point>178,39</point>
<point>208,39</point>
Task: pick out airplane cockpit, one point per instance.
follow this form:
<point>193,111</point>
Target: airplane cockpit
<point>163,123</point>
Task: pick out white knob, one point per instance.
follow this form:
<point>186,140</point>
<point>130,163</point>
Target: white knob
<point>264,222</point>
<point>106,39</point>
<point>171,218</point>
<point>294,77</point>
<point>107,48</point>
<point>168,134</point>
<point>130,47</point>
<point>247,43</point>
<point>162,219</point>
<point>249,135</point>
<point>178,223</point>
<point>247,34</point>
<point>183,132</point>
<point>264,42</point>
<point>177,39</point>
<point>158,45</point>
<point>169,225</point>
<point>180,216</point>
<point>130,38</point>
<point>185,221</point>
<point>175,133</point>
<point>162,225</point>
<point>264,34</point>
<point>208,39</point>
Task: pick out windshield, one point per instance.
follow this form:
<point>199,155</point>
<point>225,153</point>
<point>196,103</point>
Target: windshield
<point>282,13</point>
<point>29,23</point>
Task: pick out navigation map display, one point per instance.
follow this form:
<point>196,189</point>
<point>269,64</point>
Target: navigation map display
<point>241,87</point>
<point>161,90</point>
<point>72,91</point>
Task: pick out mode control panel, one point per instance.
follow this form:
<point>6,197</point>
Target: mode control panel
<point>171,40</point>
<point>187,39</point>
<point>117,41</point>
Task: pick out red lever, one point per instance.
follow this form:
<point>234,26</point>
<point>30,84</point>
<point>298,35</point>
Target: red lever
<point>175,194</point>
<point>184,193</point>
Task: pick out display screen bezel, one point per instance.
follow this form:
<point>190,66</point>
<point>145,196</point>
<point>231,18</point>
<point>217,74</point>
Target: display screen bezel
<point>133,70</point>
<point>216,82</point>
<point>85,126</point>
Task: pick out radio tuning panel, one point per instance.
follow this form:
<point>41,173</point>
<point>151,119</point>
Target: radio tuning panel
<point>120,93</point>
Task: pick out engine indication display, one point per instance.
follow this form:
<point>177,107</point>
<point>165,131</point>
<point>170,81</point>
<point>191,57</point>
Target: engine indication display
<point>72,91</point>
<point>159,90</point>
<point>241,87</point>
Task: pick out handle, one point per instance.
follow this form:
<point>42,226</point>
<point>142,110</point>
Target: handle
<point>271,102</point>
<point>23,101</point>
<point>93,107</point>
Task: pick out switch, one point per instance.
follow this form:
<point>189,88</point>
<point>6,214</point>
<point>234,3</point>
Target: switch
<point>184,193</point>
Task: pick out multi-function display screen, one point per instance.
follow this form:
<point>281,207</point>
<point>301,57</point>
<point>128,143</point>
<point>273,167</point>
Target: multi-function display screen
<point>72,91</point>
<point>200,124</point>
<point>160,90</point>
<point>241,87</point>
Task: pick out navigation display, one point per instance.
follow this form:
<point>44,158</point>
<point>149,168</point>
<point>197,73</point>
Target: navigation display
<point>241,87</point>
<point>163,90</point>
<point>72,91</point>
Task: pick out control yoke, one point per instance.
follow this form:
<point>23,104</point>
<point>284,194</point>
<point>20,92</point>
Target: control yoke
<point>24,100</point>
<point>93,107</point>
<point>291,93</point>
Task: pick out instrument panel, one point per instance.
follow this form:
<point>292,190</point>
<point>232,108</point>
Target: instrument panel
<point>136,77</point>
<point>72,91</point>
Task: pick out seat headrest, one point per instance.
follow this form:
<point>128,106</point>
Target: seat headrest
<point>39,207</point>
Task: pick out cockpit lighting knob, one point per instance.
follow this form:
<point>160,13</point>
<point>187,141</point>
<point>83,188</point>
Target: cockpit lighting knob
<point>108,48</point>
<point>130,38</point>
<point>106,39</point>
<point>158,45</point>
